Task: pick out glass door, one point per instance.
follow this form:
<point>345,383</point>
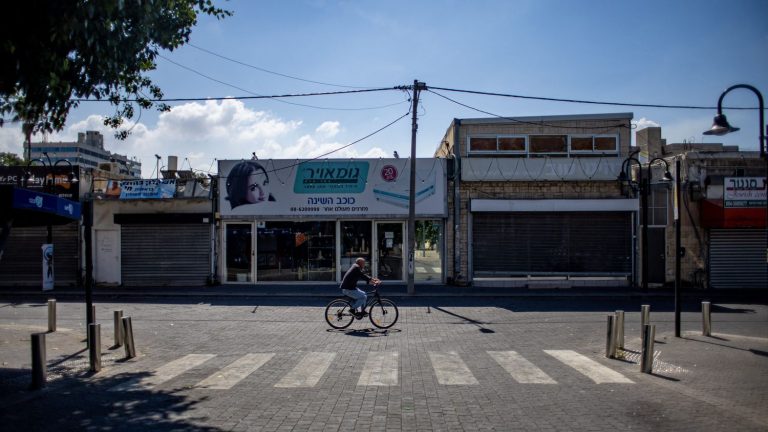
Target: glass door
<point>389,254</point>
<point>238,239</point>
<point>356,239</point>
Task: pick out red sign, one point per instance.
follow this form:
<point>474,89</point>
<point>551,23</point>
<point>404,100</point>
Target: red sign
<point>389,173</point>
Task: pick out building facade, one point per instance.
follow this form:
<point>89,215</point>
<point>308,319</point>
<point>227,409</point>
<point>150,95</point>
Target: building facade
<point>87,152</point>
<point>308,220</point>
<point>534,201</point>
<point>722,214</point>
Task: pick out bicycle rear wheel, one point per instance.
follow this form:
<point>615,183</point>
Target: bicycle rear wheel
<point>338,314</point>
<point>383,313</point>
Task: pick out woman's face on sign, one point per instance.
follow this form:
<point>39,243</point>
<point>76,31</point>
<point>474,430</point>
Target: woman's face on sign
<point>258,185</point>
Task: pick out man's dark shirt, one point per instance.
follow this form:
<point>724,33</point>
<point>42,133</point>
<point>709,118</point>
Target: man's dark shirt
<point>351,277</point>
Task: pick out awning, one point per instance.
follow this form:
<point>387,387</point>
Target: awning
<point>715,215</point>
<point>31,208</point>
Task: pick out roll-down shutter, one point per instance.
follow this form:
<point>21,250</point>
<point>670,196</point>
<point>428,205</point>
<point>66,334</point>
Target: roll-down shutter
<point>737,258</point>
<point>165,254</point>
<point>545,243</point>
<point>22,260</point>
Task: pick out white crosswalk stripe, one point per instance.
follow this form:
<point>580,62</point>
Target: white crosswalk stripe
<point>164,373</point>
<point>591,369</point>
<point>380,369</point>
<point>450,369</point>
<point>235,372</point>
<point>309,370</point>
<point>522,370</point>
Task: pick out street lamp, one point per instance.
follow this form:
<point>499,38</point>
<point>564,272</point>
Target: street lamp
<point>644,188</point>
<point>720,126</point>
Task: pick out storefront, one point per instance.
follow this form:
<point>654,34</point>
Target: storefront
<point>307,221</point>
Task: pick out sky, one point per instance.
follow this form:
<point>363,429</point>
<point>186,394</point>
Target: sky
<point>651,52</point>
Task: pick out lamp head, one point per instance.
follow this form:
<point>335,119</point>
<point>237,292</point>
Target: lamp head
<point>622,176</point>
<point>720,126</point>
<point>667,177</point>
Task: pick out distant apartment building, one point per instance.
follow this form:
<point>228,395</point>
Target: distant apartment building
<point>87,152</point>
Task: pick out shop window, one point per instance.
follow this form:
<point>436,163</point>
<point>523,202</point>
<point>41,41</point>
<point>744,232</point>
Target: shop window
<point>548,144</point>
<point>481,144</point>
<point>296,251</point>
<point>428,260</point>
<point>238,254</point>
<point>356,238</point>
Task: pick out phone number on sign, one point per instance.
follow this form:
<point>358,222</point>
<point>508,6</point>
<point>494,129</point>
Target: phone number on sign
<point>329,209</point>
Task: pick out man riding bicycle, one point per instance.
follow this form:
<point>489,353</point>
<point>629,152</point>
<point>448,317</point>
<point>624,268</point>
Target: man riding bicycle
<point>349,286</point>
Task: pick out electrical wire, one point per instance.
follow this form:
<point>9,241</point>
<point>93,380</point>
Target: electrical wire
<point>270,71</point>
<point>277,99</point>
<point>339,148</point>
<point>512,119</point>
<point>579,101</point>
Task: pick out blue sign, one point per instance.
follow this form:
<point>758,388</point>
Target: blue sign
<point>27,199</point>
<point>331,177</point>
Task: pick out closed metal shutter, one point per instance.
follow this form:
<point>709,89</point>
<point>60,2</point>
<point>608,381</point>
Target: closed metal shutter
<point>22,259</point>
<point>541,243</point>
<point>737,258</point>
<point>165,254</point>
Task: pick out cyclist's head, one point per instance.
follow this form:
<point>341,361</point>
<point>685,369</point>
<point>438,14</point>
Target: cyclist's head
<point>360,262</point>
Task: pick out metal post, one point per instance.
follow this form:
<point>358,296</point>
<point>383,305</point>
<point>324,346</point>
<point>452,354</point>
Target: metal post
<point>610,337</point>
<point>94,346</point>
<point>130,347</point>
<point>678,221</point>
<point>417,88</point>
<point>619,330</point>
<point>706,318</point>
<point>645,318</point>
<point>118,324</point>
<point>38,361</point>
<point>646,357</point>
<point>51,315</point>
<point>93,314</point>
<point>644,190</point>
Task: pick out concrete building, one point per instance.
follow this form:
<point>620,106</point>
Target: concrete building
<point>87,152</point>
<point>723,214</point>
<point>534,201</point>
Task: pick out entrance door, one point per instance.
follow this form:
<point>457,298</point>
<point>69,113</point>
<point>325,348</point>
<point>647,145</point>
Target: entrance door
<point>389,257</point>
<point>657,257</point>
<point>238,238</point>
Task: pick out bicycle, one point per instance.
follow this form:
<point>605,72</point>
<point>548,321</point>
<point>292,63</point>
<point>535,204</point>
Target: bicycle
<point>382,312</point>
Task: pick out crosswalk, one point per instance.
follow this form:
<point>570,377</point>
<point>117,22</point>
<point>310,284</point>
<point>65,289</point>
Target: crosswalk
<point>379,369</point>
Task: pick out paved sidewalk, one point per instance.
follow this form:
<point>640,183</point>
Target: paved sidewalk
<point>449,364</point>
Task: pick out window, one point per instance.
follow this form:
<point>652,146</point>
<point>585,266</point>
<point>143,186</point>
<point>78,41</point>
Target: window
<point>511,143</point>
<point>657,206</point>
<point>481,144</point>
<point>594,144</point>
<point>296,251</point>
<point>544,144</point>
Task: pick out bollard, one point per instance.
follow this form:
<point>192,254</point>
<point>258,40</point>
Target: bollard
<point>94,346</point>
<point>645,318</point>
<point>610,337</point>
<point>93,313</point>
<point>619,330</point>
<point>118,324</point>
<point>706,318</point>
<point>51,315</point>
<point>38,361</point>
<point>646,357</point>
<point>130,348</point>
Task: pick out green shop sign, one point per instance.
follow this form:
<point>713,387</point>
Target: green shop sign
<point>331,177</point>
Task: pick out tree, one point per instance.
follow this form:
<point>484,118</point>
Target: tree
<point>59,53</point>
<point>10,159</point>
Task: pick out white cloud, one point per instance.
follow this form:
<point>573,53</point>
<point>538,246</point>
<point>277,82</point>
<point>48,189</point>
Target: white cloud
<point>645,123</point>
<point>11,139</point>
<point>227,129</point>
<point>328,129</point>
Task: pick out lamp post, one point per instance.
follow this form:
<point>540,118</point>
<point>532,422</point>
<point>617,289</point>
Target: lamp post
<point>644,188</point>
<point>720,126</point>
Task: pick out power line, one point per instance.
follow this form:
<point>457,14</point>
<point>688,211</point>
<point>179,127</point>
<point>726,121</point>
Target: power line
<point>512,119</point>
<point>627,104</point>
<point>270,71</point>
<point>342,147</point>
<point>274,98</point>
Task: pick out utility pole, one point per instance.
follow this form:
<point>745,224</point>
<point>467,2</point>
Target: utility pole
<point>417,88</point>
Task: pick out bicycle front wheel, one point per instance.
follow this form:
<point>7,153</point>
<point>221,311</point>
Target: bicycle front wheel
<point>383,313</point>
<point>338,314</point>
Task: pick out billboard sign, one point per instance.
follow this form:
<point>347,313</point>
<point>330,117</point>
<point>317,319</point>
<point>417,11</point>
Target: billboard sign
<point>744,192</point>
<point>355,187</point>
<point>141,189</point>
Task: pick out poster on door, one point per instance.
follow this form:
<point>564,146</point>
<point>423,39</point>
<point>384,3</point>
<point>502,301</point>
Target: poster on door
<point>47,267</point>
<point>331,187</point>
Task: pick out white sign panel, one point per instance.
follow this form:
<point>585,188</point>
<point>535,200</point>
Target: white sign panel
<point>330,187</point>
<point>744,192</point>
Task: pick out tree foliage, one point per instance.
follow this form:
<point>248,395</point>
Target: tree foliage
<point>60,52</point>
<point>10,159</point>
